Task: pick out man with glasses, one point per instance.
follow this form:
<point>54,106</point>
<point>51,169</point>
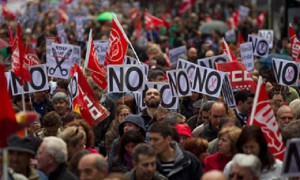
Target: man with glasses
<point>210,129</point>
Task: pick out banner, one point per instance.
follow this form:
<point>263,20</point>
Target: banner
<point>210,62</point>
<point>260,46</point>
<point>286,72</point>
<point>247,56</point>
<point>175,53</point>
<point>291,165</point>
<point>190,67</point>
<point>125,78</point>
<point>238,75</point>
<point>227,92</point>
<point>60,61</point>
<point>207,81</point>
<point>101,48</point>
<point>179,82</point>
<point>267,35</point>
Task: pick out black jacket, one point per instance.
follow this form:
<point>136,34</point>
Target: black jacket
<point>61,173</point>
<point>186,165</point>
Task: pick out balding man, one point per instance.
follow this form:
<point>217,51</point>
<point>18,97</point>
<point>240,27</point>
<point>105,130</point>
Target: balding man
<point>217,111</point>
<point>93,167</point>
<point>214,175</point>
<point>192,55</point>
<point>285,115</point>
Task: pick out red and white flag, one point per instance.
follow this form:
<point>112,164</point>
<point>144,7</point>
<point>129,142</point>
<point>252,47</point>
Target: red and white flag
<point>98,72</point>
<point>262,115</point>
<point>260,20</point>
<point>227,50</point>
<point>295,44</point>
<point>31,58</point>
<point>19,67</point>
<point>185,6</point>
<point>240,39</point>
<point>234,20</point>
<point>85,100</point>
<point>117,44</point>
<point>63,15</point>
<point>7,13</point>
<point>152,21</point>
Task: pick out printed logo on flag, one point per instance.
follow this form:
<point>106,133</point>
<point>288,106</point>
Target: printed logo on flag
<point>115,51</point>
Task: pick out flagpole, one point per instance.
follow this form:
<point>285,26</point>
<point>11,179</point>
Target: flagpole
<point>255,99</point>
<point>118,23</point>
<point>88,51</point>
<point>5,164</point>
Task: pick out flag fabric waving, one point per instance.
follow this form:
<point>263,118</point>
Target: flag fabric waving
<point>227,50</point>
<point>7,13</point>
<point>18,58</point>
<point>152,21</point>
<point>260,20</point>
<point>185,6</point>
<point>9,122</point>
<point>117,44</point>
<point>98,73</point>
<point>234,20</point>
<point>295,44</point>
<point>85,100</point>
<point>262,115</point>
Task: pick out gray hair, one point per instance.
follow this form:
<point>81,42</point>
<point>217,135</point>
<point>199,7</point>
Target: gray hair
<point>248,161</point>
<point>57,148</point>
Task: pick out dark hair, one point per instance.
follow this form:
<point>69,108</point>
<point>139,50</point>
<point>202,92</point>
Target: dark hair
<point>70,116</point>
<point>142,149</point>
<point>75,160</point>
<point>162,128</point>
<point>51,119</point>
<point>254,132</point>
<point>242,95</point>
<point>153,73</point>
<point>128,137</point>
<point>227,119</point>
<point>87,129</point>
<point>63,83</point>
<point>128,101</point>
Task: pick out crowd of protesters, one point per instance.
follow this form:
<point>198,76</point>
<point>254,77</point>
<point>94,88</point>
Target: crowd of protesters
<point>202,139</point>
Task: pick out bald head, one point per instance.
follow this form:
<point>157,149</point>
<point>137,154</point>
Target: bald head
<point>192,54</point>
<point>285,115</point>
<point>92,167</point>
<point>214,175</point>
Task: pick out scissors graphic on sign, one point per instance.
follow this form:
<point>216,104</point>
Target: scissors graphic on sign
<point>63,72</point>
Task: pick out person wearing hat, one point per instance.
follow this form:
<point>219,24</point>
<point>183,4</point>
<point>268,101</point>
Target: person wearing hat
<point>131,122</point>
<point>61,103</point>
<point>21,152</point>
<point>184,132</point>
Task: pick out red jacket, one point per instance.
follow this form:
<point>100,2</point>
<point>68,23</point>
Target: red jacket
<point>216,161</point>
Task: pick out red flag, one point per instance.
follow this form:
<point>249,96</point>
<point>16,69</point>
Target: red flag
<point>31,58</point>
<point>117,44</point>
<point>90,108</point>
<point>98,73</point>
<point>9,123</point>
<point>152,21</point>
<point>294,43</point>
<point>234,20</point>
<point>240,39</point>
<point>227,50</point>
<point>261,19</point>
<point>185,6</point>
<point>63,15</point>
<point>262,115</point>
<point>238,75</point>
<point>8,14</point>
<point>67,1</point>
<point>18,58</point>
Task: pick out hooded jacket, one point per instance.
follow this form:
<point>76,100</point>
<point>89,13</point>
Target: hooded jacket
<point>135,119</point>
<point>186,165</point>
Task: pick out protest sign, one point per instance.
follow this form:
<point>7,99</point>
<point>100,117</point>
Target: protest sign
<point>179,82</point>
<point>267,35</point>
<point>243,12</point>
<point>286,72</point>
<point>247,56</point>
<point>210,62</point>
<point>230,35</point>
<point>291,162</point>
<point>190,67</point>
<point>260,46</point>
<point>227,92</point>
<point>101,47</point>
<point>175,53</point>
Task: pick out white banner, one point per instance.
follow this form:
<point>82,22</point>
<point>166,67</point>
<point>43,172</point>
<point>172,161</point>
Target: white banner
<point>60,61</point>
<point>168,101</point>
<point>286,72</point>
<point>267,35</point>
<point>260,46</point>
<point>291,165</point>
<point>227,92</point>
<point>243,12</point>
<point>38,83</point>
<point>207,81</point>
<point>179,82</point>
<point>125,78</point>
<point>230,36</point>
<point>210,61</point>
<point>175,53</point>
<point>247,56</point>
<point>101,47</point>
<point>190,67</point>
